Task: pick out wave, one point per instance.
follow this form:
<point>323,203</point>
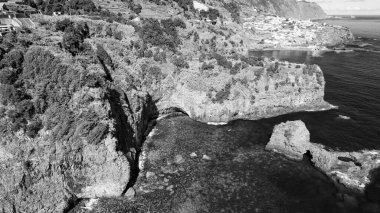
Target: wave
<point>216,123</point>
<point>329,107</point>
<point>344,117</point>
<point>343,51</point>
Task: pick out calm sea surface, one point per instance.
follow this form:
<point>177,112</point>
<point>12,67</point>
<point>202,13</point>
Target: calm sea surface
<point>352,83</point>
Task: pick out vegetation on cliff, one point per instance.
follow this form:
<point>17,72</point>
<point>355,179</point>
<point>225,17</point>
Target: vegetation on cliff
<point>78,93</point>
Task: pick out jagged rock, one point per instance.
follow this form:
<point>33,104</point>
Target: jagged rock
<point>206,157</point>
<point>150,175</point>
<point>291,139</point>
<point>351,169</point>
<point>178,159</point>
<point>130,194</point>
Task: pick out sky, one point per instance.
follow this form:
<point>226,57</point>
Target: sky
<point>350,7</point>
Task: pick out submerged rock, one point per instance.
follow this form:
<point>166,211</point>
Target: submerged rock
<point>352,169</point>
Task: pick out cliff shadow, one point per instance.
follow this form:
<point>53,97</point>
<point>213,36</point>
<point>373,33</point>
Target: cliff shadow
<point>131,128</point>
<point>372,190</point>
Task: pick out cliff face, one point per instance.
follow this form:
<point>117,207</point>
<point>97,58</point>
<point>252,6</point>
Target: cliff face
<point>290,8</point>
<point>69,133</point>
<point>251,93</point>
<point>311,10</point>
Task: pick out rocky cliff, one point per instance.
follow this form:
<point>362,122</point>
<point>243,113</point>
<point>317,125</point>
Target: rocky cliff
<point>290,8</point>
<point>78,94</point>
<point>253,92</point>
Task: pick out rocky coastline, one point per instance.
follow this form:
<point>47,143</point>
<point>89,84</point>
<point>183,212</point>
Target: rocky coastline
<point>351,169</point>
<point>78,126</point>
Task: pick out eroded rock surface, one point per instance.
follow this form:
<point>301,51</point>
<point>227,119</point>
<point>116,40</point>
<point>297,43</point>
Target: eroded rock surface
<point>252,93</point>
<point>352,169</point>
<point>291,139</point>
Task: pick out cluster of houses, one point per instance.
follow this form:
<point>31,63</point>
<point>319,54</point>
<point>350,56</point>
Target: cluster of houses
<point>282,31</point>
<point>14,15</point>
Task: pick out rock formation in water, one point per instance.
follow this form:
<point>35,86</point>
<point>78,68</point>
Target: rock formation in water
<point>352,169</point>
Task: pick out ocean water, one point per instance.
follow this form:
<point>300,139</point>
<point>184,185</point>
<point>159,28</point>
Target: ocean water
<point>352,83</point>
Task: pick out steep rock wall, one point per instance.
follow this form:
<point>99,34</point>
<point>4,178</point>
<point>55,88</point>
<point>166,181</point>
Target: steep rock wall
<point>252,93</point>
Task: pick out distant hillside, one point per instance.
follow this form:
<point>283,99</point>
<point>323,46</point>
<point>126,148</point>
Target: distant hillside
<point>290,8</point>
<point>311,10</point>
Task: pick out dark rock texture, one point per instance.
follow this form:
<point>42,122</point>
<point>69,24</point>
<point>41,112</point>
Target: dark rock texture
<point>238,176</point>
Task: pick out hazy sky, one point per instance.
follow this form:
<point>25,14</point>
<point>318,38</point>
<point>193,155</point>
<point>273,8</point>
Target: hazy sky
<point>350,7</point>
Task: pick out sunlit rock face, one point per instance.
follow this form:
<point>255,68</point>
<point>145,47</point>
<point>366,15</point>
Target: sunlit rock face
<point>252,93</point>
<point>351,169</point>
<point>285,135</point>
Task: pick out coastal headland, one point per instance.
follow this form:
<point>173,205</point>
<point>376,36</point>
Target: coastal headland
<point>81,93</point>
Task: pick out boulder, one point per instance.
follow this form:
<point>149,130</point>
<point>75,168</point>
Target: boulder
<point>291,139</point>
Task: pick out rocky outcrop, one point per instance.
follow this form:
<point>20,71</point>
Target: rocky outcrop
<point>352,169</point>
<point>87,146</point>
<point>252,93</point>
<point>286,135</point>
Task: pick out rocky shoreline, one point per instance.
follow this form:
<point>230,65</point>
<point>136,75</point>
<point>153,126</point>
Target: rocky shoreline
<point>351,169</point>
<point>81,116</point>
<point>190,165</point>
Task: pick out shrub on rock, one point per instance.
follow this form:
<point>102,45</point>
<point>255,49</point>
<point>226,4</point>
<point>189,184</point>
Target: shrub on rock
<point>74,37</point>
<point>162,33</point>
<point>8,75</point>
<point>63,24</point>
<point>80,5</point>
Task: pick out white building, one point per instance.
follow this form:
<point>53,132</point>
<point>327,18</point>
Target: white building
<point>199,6</point>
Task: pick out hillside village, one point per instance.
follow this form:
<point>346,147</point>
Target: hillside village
<point>14,15</point>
